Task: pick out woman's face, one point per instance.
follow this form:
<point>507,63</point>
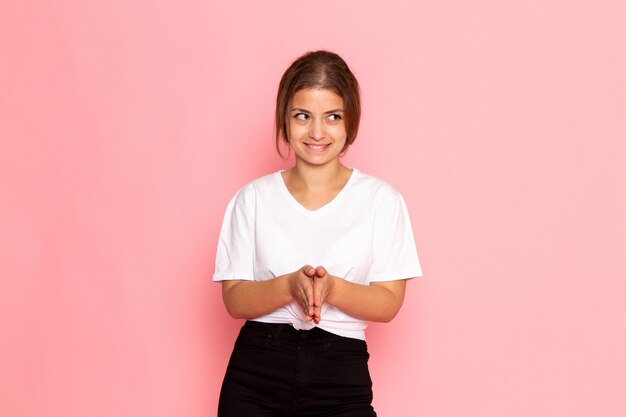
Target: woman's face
<point>317,131</point>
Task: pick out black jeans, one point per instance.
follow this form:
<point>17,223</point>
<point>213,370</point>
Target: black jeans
<point>278,371</point>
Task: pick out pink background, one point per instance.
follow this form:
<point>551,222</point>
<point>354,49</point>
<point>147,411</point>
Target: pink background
<point>126,126</point>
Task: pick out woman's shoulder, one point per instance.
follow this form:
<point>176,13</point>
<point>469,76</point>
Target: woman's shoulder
<point>268,180</point>
<point>374,187</point>
<point>258,185</point>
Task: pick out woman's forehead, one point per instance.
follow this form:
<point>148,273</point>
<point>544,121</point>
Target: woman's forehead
<point>316,97</point>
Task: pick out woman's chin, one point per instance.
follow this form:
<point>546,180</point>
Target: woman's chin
<point>318,160</point>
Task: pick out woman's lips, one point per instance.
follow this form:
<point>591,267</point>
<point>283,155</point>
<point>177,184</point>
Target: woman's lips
<point>317,147</point>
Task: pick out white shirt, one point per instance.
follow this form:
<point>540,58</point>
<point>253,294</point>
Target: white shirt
<point>363,235</point>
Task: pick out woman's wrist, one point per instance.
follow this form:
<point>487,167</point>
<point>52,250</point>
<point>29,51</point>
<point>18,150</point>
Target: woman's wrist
<point>289,285</point>
<point>334,286</point>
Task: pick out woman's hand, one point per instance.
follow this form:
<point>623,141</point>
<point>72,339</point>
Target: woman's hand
<point>301,289</point>
<point>323,284</point>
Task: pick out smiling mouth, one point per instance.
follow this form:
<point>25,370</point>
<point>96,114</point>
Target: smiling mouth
<point>317,147</point>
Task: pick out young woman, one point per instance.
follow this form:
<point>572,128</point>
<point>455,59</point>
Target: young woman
<point>309,256</point>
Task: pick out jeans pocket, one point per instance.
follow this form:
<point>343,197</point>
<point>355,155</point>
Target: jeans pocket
<point>253,338</point>
<point>350,352</point>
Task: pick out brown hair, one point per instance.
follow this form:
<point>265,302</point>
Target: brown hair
<point>319,69</point>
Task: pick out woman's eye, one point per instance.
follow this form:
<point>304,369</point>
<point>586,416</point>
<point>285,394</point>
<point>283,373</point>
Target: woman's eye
<point>334,117</point>
<point>301,116</point>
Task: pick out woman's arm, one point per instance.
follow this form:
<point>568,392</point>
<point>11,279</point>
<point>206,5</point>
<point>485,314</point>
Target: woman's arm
<point>379,301</point>
<point>252,299</point>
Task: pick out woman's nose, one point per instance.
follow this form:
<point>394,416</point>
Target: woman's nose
<point>316,130</point>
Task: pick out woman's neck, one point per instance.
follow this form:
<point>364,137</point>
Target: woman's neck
<point>303,176</point>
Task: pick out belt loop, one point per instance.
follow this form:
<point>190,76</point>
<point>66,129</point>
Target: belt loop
<point>279,331</point>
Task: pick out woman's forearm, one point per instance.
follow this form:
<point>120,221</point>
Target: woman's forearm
<point>252,299</point>
<point>379,302</point>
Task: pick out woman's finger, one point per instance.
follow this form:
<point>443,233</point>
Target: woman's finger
<point>320,271</point>
<point>317,315</point>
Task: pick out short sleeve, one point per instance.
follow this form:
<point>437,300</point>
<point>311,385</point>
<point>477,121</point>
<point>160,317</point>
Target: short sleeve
<point>394,252</point>
<point>235,247</point>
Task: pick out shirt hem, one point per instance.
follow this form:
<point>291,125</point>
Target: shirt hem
<point>395,276</point>
<point>233,275</point>
<point>353,334</point>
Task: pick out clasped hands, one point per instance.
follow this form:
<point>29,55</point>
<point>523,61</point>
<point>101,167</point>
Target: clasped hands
<point>310,287</point>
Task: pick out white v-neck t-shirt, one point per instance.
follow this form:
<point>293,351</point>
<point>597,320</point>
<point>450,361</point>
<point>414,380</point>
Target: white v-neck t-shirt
<point>363,235</point>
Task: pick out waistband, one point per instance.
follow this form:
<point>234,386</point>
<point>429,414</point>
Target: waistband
<point>287,332</point>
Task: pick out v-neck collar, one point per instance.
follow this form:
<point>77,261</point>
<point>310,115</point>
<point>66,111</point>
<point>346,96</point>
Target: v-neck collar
<point>325,207</point>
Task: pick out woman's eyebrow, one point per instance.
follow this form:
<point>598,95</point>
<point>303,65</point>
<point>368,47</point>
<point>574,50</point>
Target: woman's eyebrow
<point>298,109</point>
